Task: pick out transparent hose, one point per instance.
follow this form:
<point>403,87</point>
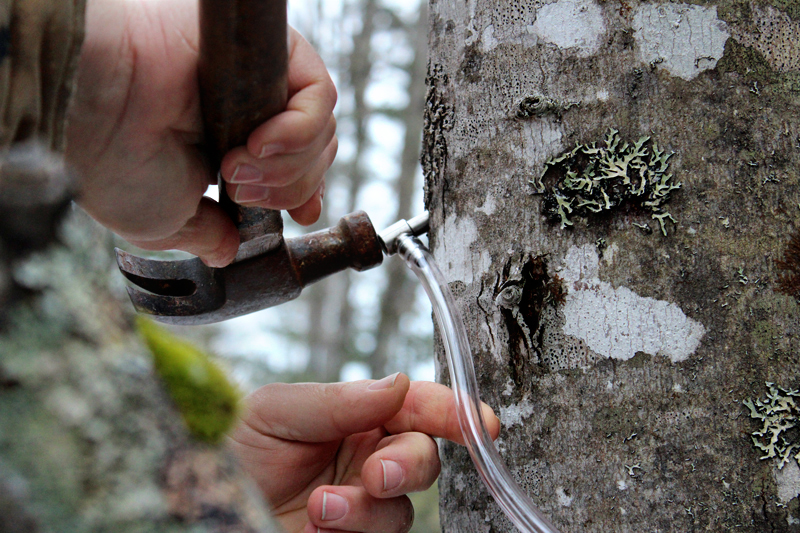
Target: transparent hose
<point>514,502</point>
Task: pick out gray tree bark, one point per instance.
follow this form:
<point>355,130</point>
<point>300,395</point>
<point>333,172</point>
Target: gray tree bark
<point>618,351</point>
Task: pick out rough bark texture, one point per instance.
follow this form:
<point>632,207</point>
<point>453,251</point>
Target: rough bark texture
<point>89,440</point>
<point>620,365</point>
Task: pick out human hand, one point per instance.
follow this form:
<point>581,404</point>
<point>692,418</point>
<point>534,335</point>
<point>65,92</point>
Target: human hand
<point>135,126</point>
<point>342,457</point>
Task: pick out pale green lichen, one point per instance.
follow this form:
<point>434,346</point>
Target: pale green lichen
<point>591,179</point>
<point>779,414</point>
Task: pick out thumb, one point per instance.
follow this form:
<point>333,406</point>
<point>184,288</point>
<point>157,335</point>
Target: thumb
<point>209,234</point>
<point>316,412</point>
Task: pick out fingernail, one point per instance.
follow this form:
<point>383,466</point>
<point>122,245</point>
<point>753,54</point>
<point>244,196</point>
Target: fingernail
<point>245,173</point>
<point>251,193</point>
<point>270,149</point>
<point>392,474</point>
<point>334,506</point>
<point>385,383</point>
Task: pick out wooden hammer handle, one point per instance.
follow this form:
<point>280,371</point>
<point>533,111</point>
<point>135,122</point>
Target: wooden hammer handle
<point>242,73</point>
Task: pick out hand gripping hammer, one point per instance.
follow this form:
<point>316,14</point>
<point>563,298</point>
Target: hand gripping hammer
<point>242,74</point>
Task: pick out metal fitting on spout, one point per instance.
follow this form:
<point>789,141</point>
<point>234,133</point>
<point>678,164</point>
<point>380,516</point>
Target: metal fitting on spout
<point>416,226</point>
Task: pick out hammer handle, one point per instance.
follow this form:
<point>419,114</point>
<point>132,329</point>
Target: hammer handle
<point>242,73</point>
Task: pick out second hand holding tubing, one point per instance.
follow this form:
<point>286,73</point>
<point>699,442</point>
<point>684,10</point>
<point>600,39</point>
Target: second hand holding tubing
<point>401,238</point>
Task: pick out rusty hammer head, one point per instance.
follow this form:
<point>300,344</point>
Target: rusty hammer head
<point>189,292</point>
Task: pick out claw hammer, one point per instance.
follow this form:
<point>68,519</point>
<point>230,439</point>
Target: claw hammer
<point>242,73</point>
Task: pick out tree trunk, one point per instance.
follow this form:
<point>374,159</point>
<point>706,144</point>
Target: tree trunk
<point>618,346</point>
<point>89,439</point>
<point>398,297</point>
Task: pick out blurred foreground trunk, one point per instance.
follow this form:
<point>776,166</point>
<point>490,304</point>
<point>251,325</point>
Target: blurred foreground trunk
<point>89,439</point>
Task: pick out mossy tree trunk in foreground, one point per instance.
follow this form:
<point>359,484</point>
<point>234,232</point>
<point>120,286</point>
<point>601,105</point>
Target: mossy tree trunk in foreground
<point>90,441</point>
<point>622,303</point>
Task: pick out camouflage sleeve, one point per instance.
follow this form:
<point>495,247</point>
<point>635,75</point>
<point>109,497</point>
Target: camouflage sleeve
<point>39,45</point>
<point>40,42</point>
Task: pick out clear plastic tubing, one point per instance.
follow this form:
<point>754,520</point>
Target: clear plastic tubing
<point>514,502</point>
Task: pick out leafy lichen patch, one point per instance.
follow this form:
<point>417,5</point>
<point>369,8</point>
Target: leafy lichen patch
<point>592,179</point>
<point>778,437</point>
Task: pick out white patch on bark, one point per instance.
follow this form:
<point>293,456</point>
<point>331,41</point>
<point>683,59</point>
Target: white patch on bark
<point>684,39</point>
<point>516,413</point>
<point>459,482</point>
<point>457,261</point>
<point>563,499</point>
<point>489,206</point>
<point>545,141</point>
<point>488,41</point>
<point>617,323</point>
<point>788,481</point>
<point>577,24</point>
<point>610,253</point>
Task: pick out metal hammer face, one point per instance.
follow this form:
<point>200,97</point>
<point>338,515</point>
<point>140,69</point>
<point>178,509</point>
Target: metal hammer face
<point>189,292</point>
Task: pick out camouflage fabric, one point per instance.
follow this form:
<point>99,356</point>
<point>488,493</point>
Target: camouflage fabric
<point>39,46</point>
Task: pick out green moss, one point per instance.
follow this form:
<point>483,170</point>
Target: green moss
<point>754,67</point>
<point>207,400</point>
<point>615,420</point>
<point>790,82</point>
<point>764,332</point>
<point>733,11</point>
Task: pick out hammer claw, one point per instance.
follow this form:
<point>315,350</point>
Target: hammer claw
<point>177,288</point>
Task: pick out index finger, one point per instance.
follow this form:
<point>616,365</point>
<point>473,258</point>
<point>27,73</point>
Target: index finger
<point>430,408</point>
